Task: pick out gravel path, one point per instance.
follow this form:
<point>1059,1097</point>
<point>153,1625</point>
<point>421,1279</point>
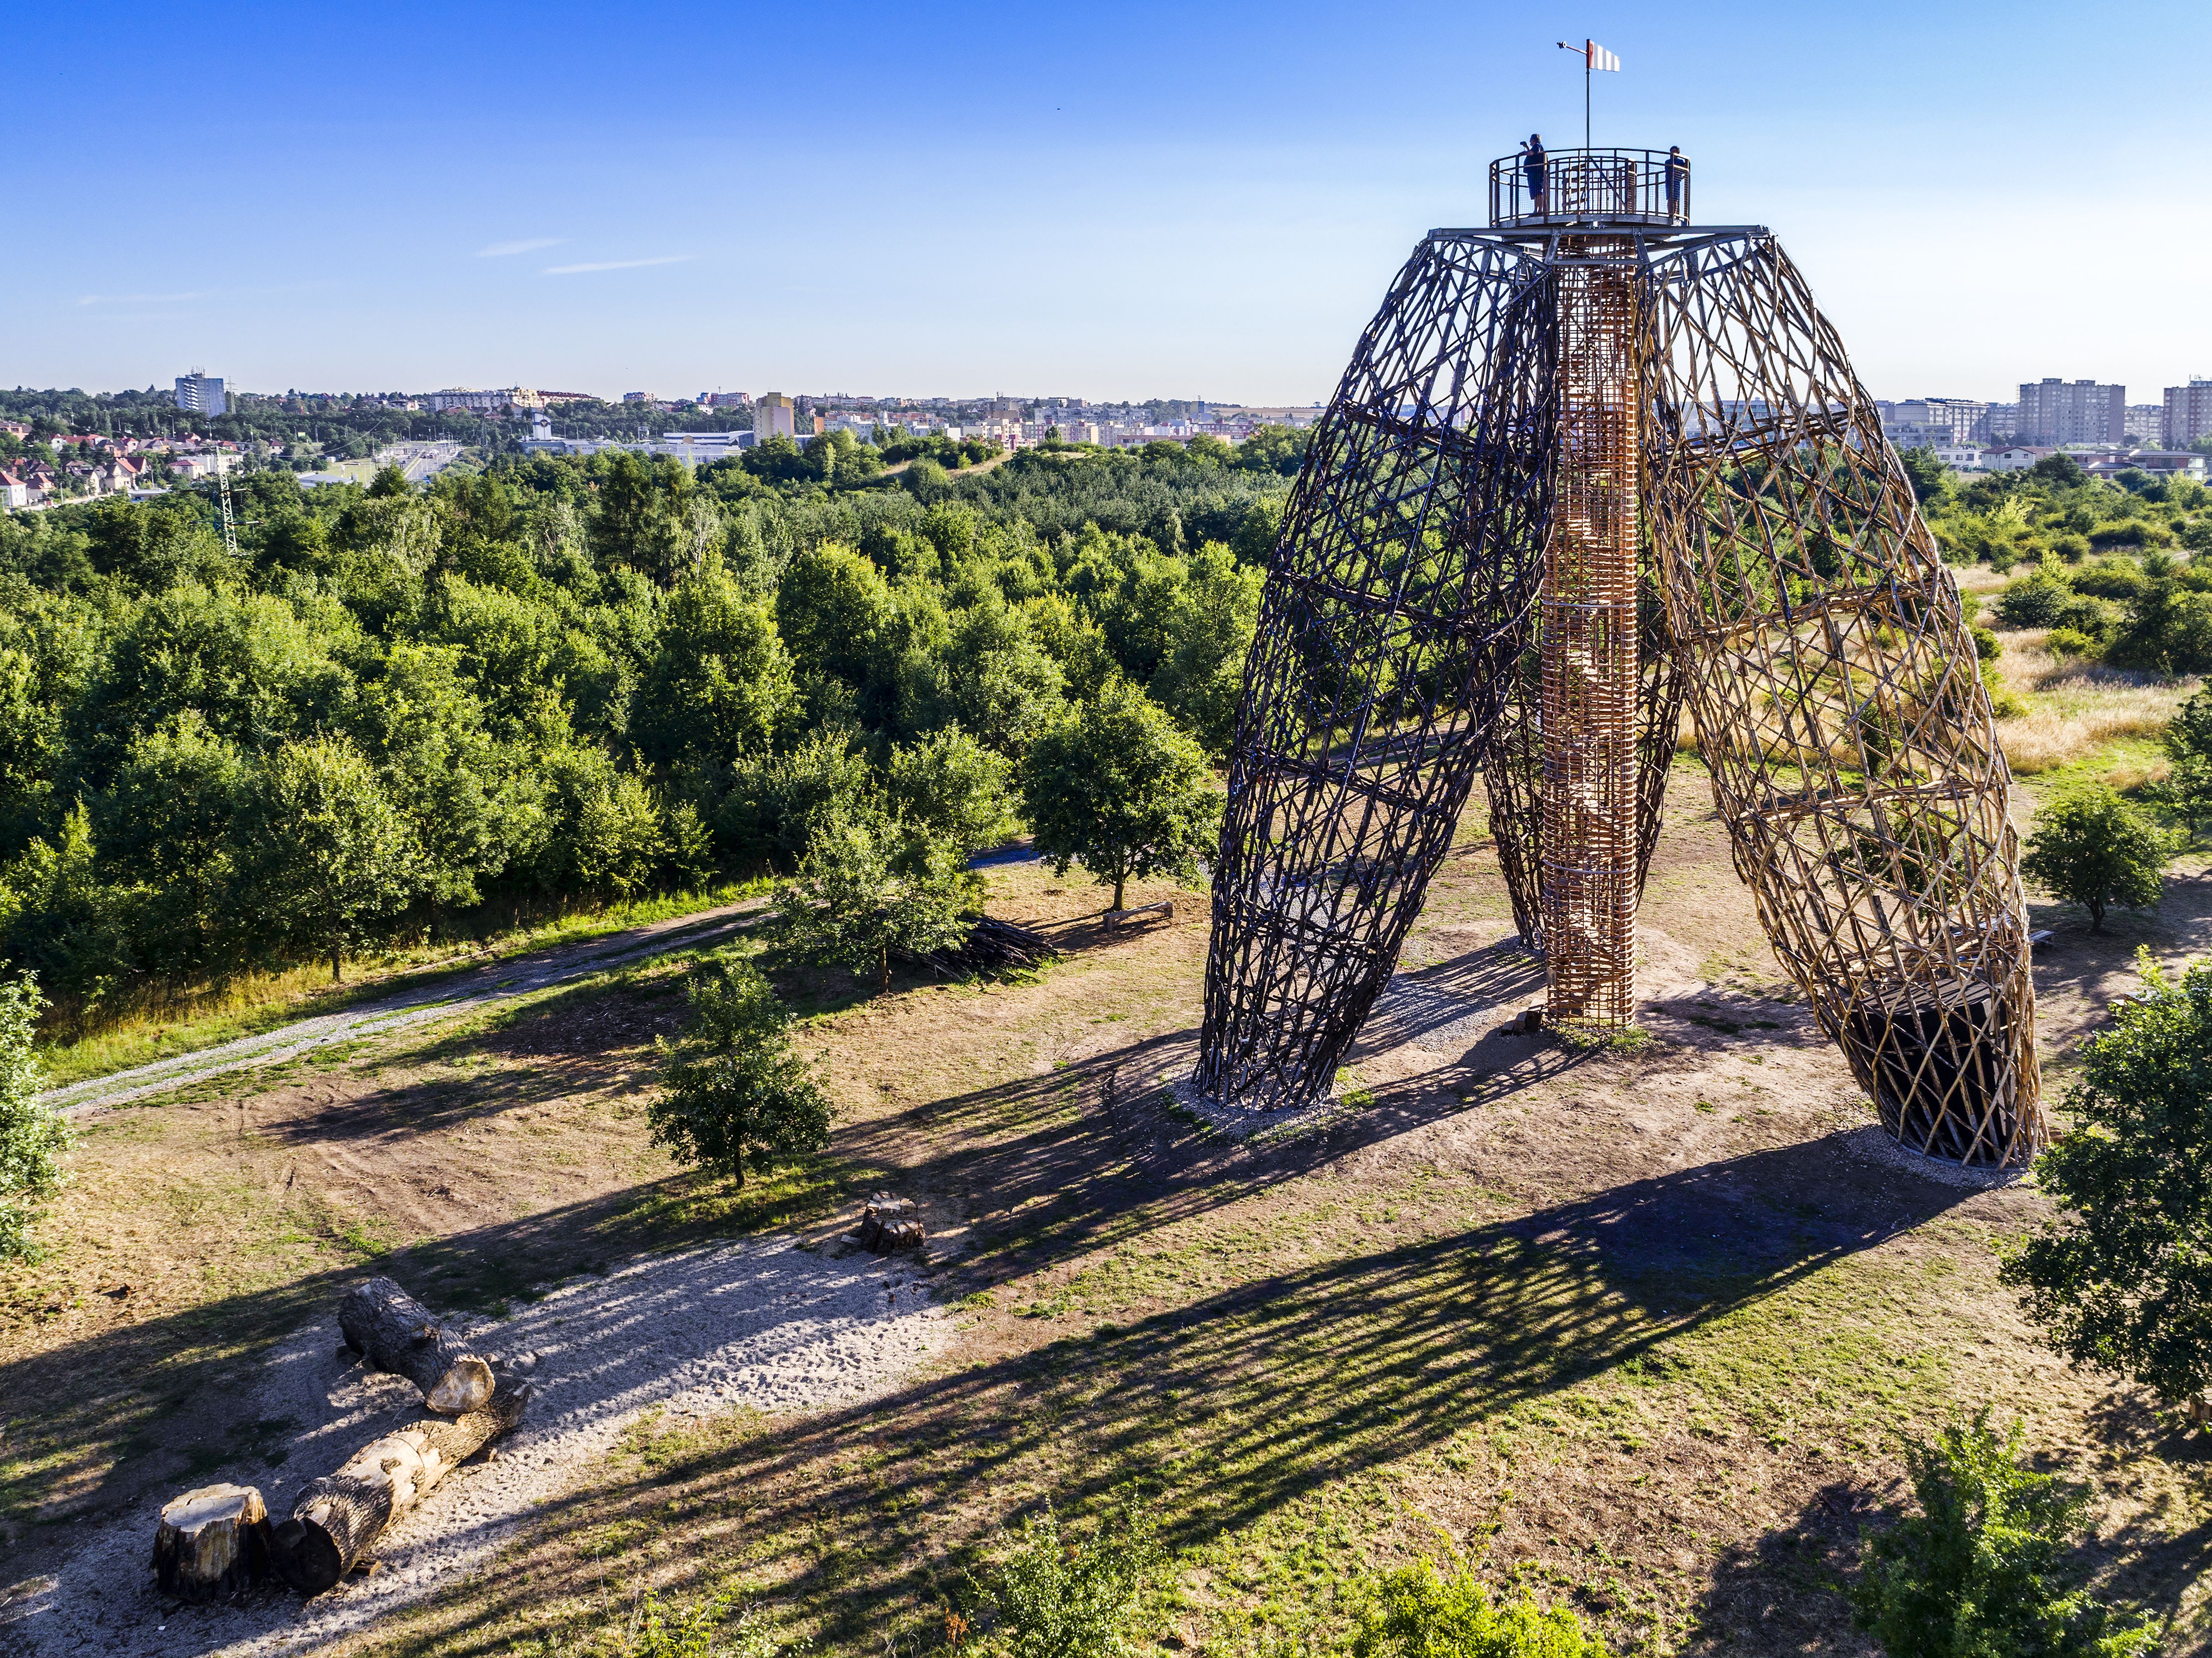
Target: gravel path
<point>493,982</point>
<point>764,1324</point>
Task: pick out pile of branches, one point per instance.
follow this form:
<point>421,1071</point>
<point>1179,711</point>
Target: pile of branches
<point>994,947</point>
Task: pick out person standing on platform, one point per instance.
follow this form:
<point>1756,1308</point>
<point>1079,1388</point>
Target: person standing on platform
<point>1678,177</point>
<point>1537,166</point>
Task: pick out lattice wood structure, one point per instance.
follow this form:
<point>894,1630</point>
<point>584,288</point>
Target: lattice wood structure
<point>1540,408</point>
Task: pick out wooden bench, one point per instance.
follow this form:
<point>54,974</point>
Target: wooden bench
<point>1115,917</point>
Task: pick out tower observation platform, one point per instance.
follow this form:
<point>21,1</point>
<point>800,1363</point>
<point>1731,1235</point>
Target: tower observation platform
<point>1561,187</point>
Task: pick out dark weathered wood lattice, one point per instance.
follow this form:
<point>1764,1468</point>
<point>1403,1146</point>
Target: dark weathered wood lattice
<point>1790,591</point>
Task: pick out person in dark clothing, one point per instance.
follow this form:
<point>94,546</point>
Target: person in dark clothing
<point>1537,165</point>
<point>1677,175</point>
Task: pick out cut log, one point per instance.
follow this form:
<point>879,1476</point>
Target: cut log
<point>890,1224</point>
<point>396,1333</point>
<point>212,1544</point>
<point>337,1517</point>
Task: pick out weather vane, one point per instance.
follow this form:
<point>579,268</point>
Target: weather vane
<point>1594,57</point>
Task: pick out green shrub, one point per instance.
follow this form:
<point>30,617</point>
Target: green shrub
<point>32,1137</point>
<point>2121,1280</point>
<point>2070,642</point>
<point>1417,1612</point>
<point>1058,1599</point>
<point>731,1089</point>
<point>2190,733</point>
<point>2034,601</point>
<point>2092,848</point>
<point>1978,1572</point>
<point>1987,645</point>
<point>700,1631</point>
<point>2116,578</point>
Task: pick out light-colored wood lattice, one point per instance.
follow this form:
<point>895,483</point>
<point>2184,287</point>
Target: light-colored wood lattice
<point>1587,635</point>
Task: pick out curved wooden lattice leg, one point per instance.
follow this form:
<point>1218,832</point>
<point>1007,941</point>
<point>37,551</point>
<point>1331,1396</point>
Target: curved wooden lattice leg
<point>1398,593</point>
<point>1838,704</point>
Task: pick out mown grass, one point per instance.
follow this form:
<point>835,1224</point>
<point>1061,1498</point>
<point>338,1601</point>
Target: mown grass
<point>1301,1403</point>
<point>252,1004</point>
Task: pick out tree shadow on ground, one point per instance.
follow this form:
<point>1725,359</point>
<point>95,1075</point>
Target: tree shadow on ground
<point>1783,1591</point>
<point>1246,1402</point>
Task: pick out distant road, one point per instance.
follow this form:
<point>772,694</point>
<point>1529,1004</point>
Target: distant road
<point>474,987</point>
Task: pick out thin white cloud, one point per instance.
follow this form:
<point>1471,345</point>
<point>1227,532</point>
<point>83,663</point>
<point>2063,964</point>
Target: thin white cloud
<point>528,245</point>
<point>617,264</point>
<point>137,299</point>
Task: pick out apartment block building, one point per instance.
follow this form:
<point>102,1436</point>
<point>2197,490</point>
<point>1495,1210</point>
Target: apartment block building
<point>2056,411</point>
<point>201,393</point>
<point>2187,416</point>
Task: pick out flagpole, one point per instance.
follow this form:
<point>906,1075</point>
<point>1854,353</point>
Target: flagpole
<point>1586,56</point>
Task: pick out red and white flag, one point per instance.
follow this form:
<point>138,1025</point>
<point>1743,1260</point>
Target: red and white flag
<point>1597,57</point>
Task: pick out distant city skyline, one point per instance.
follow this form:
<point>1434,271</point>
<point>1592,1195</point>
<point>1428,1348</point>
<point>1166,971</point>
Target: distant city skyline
<point>1159,202</point>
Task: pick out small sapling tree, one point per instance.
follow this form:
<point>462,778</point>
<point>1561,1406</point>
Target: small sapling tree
<point>1417,1612</point>
<point>731,1092</point>
<point>32,1137</point>
<point>2092,848</point>
<point>864,893</point>
<point>1116,787</point>
<point>1981,1568</point>
<point>2120,1280</point>
<point>1059,1599</point>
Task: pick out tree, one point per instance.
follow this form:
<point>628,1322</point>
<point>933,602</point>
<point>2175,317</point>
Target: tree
<point>2092,848</point>
<point>1117,788</point>
<point>864,892</point>
<point>32,1137</point>
<point>1976,1573</point>
<point>2121,1280</point>
<point>731,1092</point>
<point>330,859</point>
<point>1927,475</point>
<point>953,790</point>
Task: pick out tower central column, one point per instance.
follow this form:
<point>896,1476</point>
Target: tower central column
<point>1588,622</point>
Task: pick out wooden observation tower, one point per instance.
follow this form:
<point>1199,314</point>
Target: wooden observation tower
<point>1590,464</point>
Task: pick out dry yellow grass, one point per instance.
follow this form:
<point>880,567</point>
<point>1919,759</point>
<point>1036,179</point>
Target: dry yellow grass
<point>2076,707</point>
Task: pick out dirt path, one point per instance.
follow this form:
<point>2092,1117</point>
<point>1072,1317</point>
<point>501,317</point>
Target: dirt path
<point>471,987</point>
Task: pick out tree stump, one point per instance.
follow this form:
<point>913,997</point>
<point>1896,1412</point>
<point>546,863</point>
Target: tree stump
<point>890,1224</point>
<point>396,1333</point>
<point>337,1517</point>
<point>212,1544</point>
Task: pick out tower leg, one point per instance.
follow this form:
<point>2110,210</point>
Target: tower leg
<point>1398,591</point>
<point>1840,705</point>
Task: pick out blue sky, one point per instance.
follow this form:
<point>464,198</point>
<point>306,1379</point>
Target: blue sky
<point>1133,201</point>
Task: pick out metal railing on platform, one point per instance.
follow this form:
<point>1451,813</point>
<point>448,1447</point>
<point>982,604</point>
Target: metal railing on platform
<point>1564,187</point>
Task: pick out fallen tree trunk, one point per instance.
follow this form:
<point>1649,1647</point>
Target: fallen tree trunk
<point>212,1544</point>
<point>396,1333</point>
<point>992,946</point>
<point>337,1517</point>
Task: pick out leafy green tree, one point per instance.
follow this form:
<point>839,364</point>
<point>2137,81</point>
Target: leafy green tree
<point>1978,1573</point>
<point>1929,476</point>
<point>328,855</point>
<point>864,893</point>
<point>720,684</point>
<point>1202,674</point>
<point>2120,1281</point>
<point>1117,788</point>
<point>32,1137</point>
<point>1417,1612</point>
<point>953,790</point>
<point>167,819</point>
<point>1061,1598</point>
<point>731,1092</point>
<point>2090,847</point>
<point>620,838</point>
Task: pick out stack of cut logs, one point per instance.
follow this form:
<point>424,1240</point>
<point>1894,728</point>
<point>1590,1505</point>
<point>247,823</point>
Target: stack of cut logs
<point>890,1224</point>
<point>216,1542</point>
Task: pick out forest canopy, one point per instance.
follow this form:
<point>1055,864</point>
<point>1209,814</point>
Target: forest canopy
<point>557,680</point>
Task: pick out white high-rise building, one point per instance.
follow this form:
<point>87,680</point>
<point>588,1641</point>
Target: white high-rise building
<point>201,393</point>
<point>2188,412</point>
